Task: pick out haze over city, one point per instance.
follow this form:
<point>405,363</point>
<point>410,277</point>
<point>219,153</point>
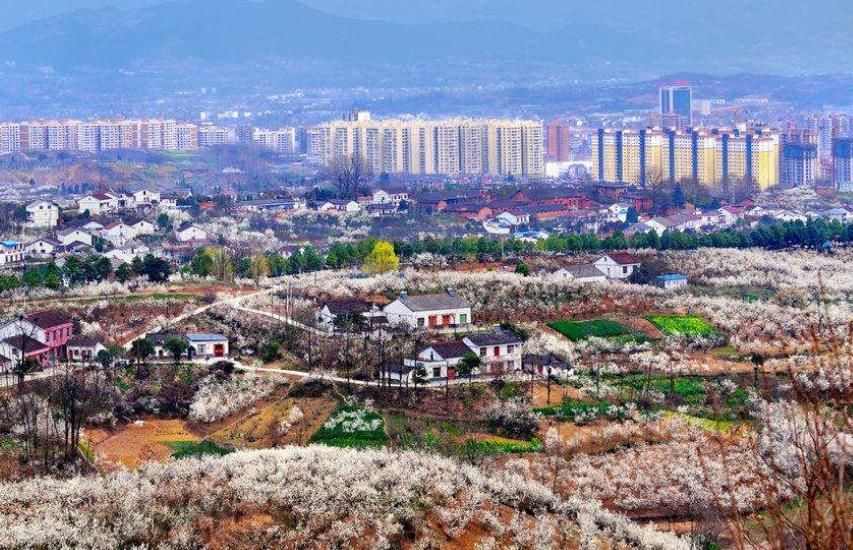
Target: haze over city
<point>426,274</point>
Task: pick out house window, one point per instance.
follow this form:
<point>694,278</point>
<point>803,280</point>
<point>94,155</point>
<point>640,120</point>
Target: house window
<point>463,318</point>
<point>420,321</point>
<point>436,372</point>
<point>510,349</point>
<point>624,269</point>
<point>483,352</point>
<point>497,351</point>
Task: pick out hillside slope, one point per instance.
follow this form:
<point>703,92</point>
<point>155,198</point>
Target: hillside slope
<point>313,497</point>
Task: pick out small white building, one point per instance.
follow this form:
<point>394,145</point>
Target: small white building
<point>207,345</point>
<point>190,234</point>
<point>118,233</point>
<point>42,247</point>
<point>98,204</point>
<point>144,197</point>
<point>434,311</point>
<point>144,227</point>
<point>582,273</point>
<point>127,252</point>
<point>348,206</point>
<point>11,252</point>
<point>84,349</point>
<point>671,280</point>
<point>42,214</point>
<point>617,265</point>
<point>70,236</point>
<point>499,351</point>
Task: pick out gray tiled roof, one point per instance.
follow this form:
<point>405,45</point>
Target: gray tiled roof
<point>496,338</point>
<point>451,350</point>
<point>431,302</point>
<point>584,271</point>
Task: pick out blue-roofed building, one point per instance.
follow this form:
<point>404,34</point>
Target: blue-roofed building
<point>207,344</point>
<point>11,252</point>
<point>671,280</point>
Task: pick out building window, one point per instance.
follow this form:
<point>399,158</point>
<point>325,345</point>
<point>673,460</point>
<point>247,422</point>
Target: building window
<point>463,318</point>
<point>436,372</point>
<point>483,352</point>
<point>420,321</point>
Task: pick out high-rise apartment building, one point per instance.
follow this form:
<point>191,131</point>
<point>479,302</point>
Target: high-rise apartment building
<point>710,157</point>
<point>418,146</point>
<point>281,141</point>
<point>186,136</point>
<point>10,137</point>
<point>558,141</point>
<point>214,136</point>
<point>842,163</point>
<point>676,106</point>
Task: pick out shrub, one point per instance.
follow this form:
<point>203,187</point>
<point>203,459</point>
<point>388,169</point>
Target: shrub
<point>352,426</point>
<point>512,418</point>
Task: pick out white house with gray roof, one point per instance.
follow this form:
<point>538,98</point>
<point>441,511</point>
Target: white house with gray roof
<point>434,311</point>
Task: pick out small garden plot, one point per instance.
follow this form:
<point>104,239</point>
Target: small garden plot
<point>581,412</point>
<point>188,449</point>
<point>493,445</point>
<point>685,325</point>
<point>278,423</point>
<point>600,328</point>
<point>352,426</point>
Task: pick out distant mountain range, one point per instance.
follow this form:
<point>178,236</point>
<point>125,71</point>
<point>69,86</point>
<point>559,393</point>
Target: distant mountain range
<point>779,36</point>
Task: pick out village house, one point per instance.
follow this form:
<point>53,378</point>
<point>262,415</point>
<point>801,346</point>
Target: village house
<point>390,196</point>
<point>144,197</point>
<point>118,233</point>
<point>190,234</point>
<point>70,236</point>
<point>42,334</point>
<point>671,280</point>
<point>126,253</point>
<point>335,205</point>
<point>92,227</point>
<point>143,227</point>
<point>207,345</point>
<point>546,364</point>
<point>84,349</point>
<point>15,349</point>
<point>433,311</point>
<point>42,214</point>
<point>43,247</point>
<point>617,265</point>
<point>582,273</point>
<point>499,351</point>
<point>11,252</point>
<point>333,312</point>
<point>98,204</point>
<point>438,360</point>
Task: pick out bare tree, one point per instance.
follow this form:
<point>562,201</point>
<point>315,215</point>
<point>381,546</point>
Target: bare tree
<point>349,173</point>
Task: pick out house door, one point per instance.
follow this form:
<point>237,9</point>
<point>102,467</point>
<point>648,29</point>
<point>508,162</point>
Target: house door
<point>433,321</point>
<point>218,350</point>
<point>451,373</point>
<point>447,320</point>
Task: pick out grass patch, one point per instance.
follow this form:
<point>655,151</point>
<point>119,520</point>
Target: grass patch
<point>600,328</point>
<point>687,325</point>
<point>187,449</point>
<point>710,424</point>
<point>575,410</point>
<point>500,445</point>
<point>352,426</point>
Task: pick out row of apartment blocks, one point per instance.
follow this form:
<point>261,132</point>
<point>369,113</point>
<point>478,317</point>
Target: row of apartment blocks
<point>421,147</point>
<point>149,134</point>
<point>712,157</point>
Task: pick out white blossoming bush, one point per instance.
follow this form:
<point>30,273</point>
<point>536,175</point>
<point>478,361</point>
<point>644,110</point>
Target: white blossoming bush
<point>216,398</point>
<point>330,497</point>
<point>352,420</point>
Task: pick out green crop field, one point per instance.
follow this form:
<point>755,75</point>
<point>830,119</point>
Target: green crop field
<point>581,330</point>
<point>687,325</point>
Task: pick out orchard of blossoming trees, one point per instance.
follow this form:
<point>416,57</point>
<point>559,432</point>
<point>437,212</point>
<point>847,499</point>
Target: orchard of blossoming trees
<point>717,413</point>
